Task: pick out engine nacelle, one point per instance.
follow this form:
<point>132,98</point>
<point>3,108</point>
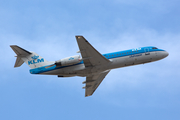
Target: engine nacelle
<point>69,61</point>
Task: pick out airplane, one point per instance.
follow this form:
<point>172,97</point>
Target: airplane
<point>92,65</point>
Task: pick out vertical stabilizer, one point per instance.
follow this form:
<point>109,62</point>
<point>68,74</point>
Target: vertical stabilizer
<point>32,59</point>
<point>20,52</point>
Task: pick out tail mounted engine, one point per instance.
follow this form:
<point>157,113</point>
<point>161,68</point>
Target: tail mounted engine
<point>68,61</point>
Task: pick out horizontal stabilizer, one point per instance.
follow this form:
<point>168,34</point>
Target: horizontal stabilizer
<point>19,62</point>
<point>20,51</point>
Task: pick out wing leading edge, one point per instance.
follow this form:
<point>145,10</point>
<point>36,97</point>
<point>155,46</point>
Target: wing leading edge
<point>90,55</point>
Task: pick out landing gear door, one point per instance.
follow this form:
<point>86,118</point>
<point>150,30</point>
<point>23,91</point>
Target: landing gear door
<point>147,51</point>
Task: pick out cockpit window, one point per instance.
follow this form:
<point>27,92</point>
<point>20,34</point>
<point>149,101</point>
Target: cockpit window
<point>154,48</point>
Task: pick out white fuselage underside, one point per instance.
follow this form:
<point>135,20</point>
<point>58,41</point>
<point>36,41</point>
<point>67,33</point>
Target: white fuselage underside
<point>118,62</point>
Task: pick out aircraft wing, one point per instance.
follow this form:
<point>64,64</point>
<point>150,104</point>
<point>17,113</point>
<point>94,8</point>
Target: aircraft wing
<point>92,82</point>
<point>90,55</point>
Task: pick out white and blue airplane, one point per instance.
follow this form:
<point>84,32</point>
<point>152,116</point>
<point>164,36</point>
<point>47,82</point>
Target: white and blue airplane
<point>93,65</point>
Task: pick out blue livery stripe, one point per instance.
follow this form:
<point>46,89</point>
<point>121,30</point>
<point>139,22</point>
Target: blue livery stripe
<point>108,56</point>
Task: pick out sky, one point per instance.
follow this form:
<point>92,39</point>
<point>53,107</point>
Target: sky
<point>48,27</point>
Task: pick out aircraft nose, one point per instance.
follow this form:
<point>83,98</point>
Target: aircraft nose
<point>165,54</point>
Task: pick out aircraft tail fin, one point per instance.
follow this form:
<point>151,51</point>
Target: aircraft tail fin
<point>32,59</point>
<point>20,52</point>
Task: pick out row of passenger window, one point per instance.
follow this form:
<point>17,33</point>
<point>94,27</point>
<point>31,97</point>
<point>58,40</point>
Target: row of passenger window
<point>122,53</point>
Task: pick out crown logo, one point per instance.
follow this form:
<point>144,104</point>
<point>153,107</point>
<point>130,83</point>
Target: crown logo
<point>71,58</point>
<point>35,57</point>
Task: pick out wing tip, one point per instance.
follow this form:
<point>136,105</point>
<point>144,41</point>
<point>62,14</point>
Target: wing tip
<point>79,37</point>
<point>87,95</point>
<point>12,45</point>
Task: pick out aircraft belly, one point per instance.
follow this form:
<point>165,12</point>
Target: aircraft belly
<point>117,63</point>
<point>66,70</point>
<point>132,60</point>
<point>53,72</point>
<point>81,70</point>
<point>124,61</point>
<point>145,58</point>
<point>73,69</point>
<point>78,70</point>
<point>129,60</point>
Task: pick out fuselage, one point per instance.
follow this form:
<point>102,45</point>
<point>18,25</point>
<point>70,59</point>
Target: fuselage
<point>118,59</point>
